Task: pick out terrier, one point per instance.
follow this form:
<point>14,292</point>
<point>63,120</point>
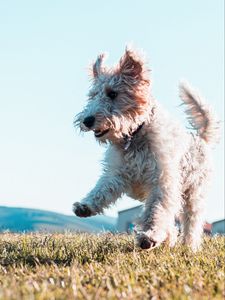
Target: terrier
<point>150,157</point>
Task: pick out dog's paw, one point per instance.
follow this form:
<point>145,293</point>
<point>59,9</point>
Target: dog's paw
<point>144,242</point>
<point>82,210</point>
<point>172,236</point>
<point>193,244</point>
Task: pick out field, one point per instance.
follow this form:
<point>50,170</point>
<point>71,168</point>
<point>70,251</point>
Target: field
<point>82,266</point>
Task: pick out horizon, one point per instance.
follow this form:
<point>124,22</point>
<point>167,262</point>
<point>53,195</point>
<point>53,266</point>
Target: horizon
<point>45,50</point>
<point>99,215</point>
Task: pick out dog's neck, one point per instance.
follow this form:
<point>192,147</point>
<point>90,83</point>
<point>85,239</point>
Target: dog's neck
<point>128,138</point>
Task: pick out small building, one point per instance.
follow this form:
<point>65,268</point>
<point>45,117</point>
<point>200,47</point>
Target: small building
<point>218,227</point>
<point>127,217</point>
<point>208,228</point>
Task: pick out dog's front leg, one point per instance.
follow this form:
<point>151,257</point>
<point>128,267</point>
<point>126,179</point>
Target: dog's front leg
<point>107,190</point>
<point>158,218</point>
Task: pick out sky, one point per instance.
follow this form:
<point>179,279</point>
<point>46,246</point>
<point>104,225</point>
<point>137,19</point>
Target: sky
<point>45,50</point>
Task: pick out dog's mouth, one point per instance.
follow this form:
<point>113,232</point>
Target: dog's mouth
<point>100,133</point>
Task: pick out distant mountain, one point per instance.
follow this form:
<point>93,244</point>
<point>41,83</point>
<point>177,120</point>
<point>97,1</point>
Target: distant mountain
<point>17,219</point>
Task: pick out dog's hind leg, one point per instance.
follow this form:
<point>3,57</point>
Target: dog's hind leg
<point>193,216</point>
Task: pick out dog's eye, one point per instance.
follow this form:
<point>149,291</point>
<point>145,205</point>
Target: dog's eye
<point>112,94</point>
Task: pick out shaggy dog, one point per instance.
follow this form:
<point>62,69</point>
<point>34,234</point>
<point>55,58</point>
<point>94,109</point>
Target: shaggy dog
<point>150,157</point>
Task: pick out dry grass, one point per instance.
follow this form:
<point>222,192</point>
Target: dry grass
<point>81,266</point>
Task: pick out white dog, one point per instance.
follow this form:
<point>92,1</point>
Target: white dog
<point>150,157</point>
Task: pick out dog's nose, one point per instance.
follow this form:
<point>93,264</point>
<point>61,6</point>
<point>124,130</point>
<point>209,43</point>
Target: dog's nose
<point>89,121</point>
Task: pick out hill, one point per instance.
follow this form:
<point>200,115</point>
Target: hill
<point>87,266</point>
<point>24,219</point>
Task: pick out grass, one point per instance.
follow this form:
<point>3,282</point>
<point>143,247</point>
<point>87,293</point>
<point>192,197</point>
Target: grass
<point>83,266</point>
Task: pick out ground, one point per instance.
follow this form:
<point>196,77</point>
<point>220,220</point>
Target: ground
<point>82,266</point>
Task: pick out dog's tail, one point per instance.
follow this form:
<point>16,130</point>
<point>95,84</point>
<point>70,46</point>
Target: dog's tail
<point>200,115</point>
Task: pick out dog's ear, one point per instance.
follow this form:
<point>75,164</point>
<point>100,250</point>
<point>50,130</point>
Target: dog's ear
<point>97,67</point>
<point>131,64</point>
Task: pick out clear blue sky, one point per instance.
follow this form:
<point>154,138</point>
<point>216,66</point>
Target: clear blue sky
<point>45,48</point>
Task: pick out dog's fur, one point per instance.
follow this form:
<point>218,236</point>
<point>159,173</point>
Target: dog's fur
<point>150,156</point>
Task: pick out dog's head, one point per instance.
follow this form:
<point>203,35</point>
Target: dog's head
<point>118,98</point>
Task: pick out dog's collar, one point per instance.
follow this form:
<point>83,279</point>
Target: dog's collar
<point>128,138</point>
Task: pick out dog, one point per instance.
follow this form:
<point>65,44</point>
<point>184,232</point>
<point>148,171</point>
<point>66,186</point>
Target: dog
<point>150,157</point>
